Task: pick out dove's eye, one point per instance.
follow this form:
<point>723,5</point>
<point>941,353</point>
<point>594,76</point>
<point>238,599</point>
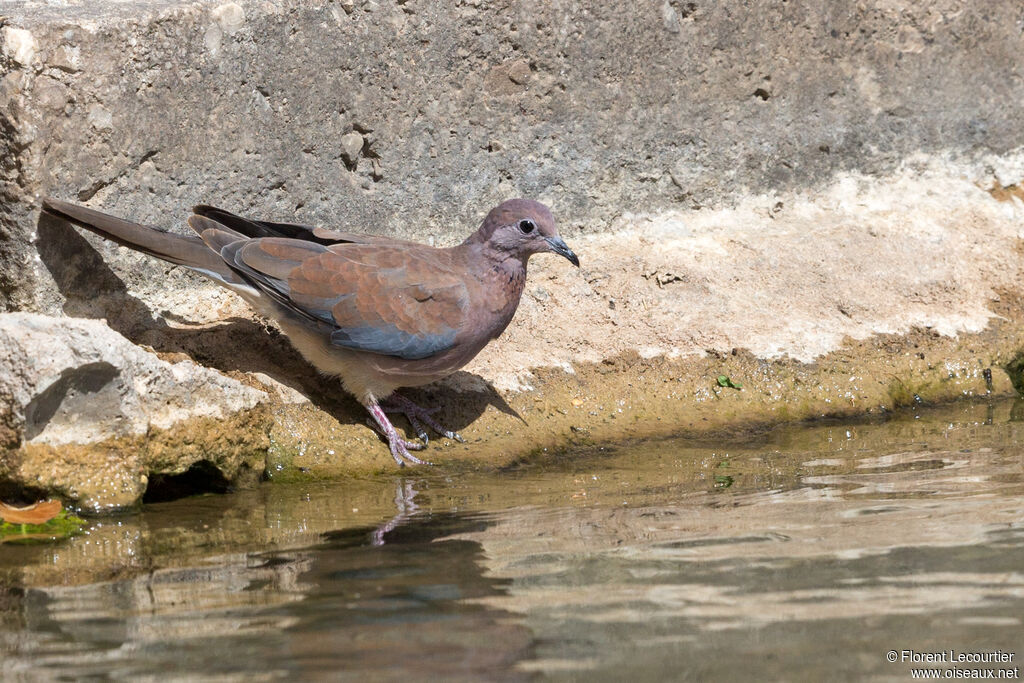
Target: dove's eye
<point>527,226</point>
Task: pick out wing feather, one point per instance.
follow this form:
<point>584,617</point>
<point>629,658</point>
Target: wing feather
<point>383,300</point>
<point>394,301</point>
<point>253,228</point>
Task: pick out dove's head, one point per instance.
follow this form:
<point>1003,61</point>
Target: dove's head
<point>520,228</point>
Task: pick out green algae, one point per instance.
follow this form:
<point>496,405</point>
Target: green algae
<point>64,525</point>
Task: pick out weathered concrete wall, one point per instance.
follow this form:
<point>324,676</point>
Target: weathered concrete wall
<point>597,108</point>
<point>805,183</point>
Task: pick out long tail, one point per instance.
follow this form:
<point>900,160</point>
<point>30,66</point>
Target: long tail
<point>187,251</point>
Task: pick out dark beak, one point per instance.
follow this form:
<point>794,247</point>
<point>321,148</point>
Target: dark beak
<point>562,249</point>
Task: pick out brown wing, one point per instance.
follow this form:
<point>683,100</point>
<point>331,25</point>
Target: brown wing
<point>395,301</point>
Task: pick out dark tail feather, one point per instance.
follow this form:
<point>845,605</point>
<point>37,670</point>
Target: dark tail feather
<point>190,252</point>
<point>254,228</point>
<point>202,224</point>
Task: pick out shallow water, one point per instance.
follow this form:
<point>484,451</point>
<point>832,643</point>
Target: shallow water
<point>807,553</point>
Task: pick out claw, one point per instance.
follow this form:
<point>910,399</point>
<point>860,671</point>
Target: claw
<point>401,456</point>
<point>420,431</point>
<point>399,447</point>
<point>419,416</point>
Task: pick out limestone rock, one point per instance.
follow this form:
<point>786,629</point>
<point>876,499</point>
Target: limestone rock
<point>351,145</point>
<point>67,383</point>
<point>18,44</point>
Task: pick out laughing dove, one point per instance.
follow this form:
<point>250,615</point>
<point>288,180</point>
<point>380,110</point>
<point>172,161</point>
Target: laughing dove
<point>379,313</point>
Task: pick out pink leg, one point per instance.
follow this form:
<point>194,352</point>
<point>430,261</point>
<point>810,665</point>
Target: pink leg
<point>399,446</point>
<point>396,403</point>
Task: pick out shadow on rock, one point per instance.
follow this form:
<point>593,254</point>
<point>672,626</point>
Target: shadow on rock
<point>461,407</point>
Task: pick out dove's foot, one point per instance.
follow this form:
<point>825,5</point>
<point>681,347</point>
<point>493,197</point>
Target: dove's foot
<point>419,416</point>
<point>399,447</point>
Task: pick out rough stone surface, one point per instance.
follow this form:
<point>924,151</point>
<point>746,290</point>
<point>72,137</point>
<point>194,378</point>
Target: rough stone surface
<point>78,381</point>
<point>818,198</point>
<point>67,382</point>
<point>598,109</point>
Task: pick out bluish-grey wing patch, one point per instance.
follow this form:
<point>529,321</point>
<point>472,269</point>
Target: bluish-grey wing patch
<point>391,341</point>
<point>319,307</point>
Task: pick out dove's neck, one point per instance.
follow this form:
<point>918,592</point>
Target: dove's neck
<point>497,265</point>
<point>501,277</point>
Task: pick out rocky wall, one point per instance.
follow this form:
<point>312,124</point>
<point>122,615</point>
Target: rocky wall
<point>412,118</point>
<point>780,191</point>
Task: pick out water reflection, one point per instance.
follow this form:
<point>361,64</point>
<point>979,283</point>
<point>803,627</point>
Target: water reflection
<point>341,609</point>
<point>144,625</point>
<point>405,504</point>
<point>806,553</point>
